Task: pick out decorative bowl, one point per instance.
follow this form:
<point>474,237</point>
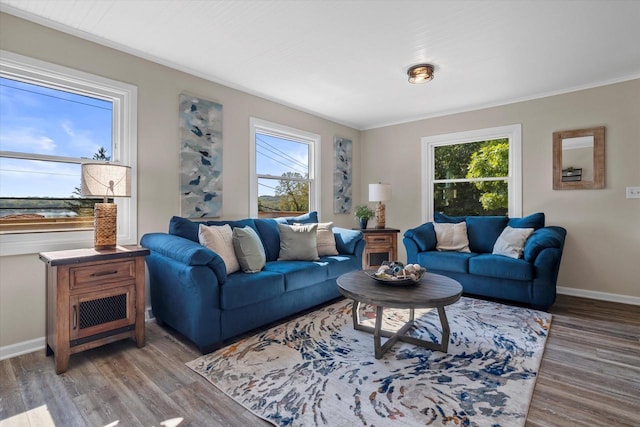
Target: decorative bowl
<point>396,273</point>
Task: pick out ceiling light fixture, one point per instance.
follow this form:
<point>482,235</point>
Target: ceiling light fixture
<point>420,73</point>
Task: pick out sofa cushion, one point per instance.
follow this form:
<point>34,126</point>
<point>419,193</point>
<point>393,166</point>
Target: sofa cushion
<point>248,249</point>
<point>500,267</point>
<point>188,229</point>
<point>243,289</point>
<point>446,219</point>
<point>534,221</point>
<point>298,274</point>
<point>337,265</point>
<point>298,242</point>
<point>270,236</point>
<point>451,237</point>
<point>446,261</point>
<point>308,218</point>
<point>483,231</point>
<point>325,240</point>
<point>511,242</point>
<point>424,236</point>
<point>220,240</point>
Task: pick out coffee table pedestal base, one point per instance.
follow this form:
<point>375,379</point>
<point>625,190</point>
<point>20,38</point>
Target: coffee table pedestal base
<point>399,335</point>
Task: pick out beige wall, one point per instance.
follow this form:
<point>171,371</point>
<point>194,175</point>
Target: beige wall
<point>603,227</point>
<point>22,277</point>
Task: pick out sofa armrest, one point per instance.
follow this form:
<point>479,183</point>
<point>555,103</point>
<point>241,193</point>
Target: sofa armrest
<point>347,240</point>
<point>543,238</point>
<point>424,237</point>
<point>186,252</point>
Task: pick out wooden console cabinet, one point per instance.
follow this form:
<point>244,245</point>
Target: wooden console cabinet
<point>94,297</point>
<point>381,245</point>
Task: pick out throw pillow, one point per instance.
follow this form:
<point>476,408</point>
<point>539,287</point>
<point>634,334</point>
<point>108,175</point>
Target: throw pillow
<point>511,242</point>
<point>326,241</point>
<point>248,249</point>
<point>220,240</point>
<point>451,237</point>
<point>298,242</point>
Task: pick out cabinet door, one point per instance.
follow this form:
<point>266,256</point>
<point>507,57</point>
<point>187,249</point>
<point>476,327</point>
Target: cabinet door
<point>102,311</point>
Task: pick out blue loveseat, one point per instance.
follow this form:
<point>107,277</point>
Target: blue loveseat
<point>192,293</point>
<point>530,279</point>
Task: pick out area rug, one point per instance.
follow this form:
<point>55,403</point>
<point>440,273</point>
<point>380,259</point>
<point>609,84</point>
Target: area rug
<point>316,370</point>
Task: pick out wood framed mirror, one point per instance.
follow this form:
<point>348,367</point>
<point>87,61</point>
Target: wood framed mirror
<point>578,159</point>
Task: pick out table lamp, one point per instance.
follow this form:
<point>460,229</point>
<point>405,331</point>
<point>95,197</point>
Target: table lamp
<point>106,180</point>
<point>380,193</point>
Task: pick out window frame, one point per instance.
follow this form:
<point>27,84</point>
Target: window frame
<point>514,180</point>
<point>124,97</point>
<point>260,126</point>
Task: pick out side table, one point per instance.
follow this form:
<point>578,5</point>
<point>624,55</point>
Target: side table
<point>94,297</point>
<point>381,245</point>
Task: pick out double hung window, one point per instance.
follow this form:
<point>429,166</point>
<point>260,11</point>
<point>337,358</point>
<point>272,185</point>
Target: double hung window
<point>52,119</point>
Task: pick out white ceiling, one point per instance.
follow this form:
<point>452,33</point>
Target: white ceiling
<point>347,60</point>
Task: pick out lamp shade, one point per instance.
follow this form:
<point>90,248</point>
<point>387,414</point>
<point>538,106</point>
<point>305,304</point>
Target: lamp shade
<point>106,180</point>
<point>379,192</point>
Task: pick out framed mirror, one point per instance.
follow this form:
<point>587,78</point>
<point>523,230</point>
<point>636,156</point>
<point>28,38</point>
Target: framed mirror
<point>578,159</point>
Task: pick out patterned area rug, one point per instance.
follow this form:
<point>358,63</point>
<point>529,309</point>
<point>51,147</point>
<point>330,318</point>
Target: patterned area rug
<point>316,370</point>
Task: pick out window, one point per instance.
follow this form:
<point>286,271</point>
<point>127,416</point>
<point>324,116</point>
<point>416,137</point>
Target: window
<point>473,173</point>
<point>52,119</point>
<point>284,167</point>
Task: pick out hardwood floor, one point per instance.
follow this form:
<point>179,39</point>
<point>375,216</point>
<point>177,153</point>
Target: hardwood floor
<point>590,376</point>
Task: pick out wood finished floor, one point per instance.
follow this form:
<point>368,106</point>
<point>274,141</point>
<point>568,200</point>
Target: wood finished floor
<point>590,376</point>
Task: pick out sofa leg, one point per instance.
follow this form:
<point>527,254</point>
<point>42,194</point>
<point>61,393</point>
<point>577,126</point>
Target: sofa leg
<point>210,348</point>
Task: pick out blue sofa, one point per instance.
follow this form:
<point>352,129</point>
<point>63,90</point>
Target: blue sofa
<point>192,293</point>
<point>530,280</point>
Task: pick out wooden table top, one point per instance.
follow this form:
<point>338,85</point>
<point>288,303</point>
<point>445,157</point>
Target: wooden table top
<point>434,290</point>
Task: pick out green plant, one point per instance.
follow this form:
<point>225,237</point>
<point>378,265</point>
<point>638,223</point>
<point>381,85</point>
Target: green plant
<point>363,212</point>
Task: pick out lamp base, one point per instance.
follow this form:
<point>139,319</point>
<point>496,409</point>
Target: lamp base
<point>380,216</point>
<point>105,217</point>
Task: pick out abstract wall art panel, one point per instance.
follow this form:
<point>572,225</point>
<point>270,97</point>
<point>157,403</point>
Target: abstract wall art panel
<point>342,175</point>
<point>200,157</point>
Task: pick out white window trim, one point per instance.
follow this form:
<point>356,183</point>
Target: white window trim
<point>125,142</point>
<point>275,129</point>
<point>512,132</point>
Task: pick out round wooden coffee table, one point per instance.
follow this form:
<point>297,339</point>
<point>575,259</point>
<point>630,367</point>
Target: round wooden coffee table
<point>433,291</point>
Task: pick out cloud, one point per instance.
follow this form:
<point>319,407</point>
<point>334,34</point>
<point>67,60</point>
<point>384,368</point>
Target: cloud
<point>26,140</point>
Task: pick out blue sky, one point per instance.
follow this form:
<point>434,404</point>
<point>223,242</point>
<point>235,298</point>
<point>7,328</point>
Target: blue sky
<point>275,156</point>
<point>45,121</point>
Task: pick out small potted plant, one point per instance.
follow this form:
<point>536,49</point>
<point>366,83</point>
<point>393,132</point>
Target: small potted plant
<point>363,213</point>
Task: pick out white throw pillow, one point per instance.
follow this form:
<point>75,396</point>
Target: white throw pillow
<point>326,240</point>
<point>219,238</point>
<point>451,237</point>
<point>298,242</point>
<point>511,242</point>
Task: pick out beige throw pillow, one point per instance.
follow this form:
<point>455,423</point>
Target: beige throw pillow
<point>298,242</point>
<point>511,242</point>
<point>451,237</point>
<point>219,238</point>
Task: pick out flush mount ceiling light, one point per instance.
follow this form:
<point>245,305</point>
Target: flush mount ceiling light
<point>420,73</point>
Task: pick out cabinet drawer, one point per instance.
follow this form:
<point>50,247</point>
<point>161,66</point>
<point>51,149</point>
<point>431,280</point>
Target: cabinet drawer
<point>380,239</point>
<point>96,274</point>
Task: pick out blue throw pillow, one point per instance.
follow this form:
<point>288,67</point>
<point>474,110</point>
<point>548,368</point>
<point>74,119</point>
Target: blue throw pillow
<point>534,221</point>
<point>446,219</point>
<point>483,231</point>
<point>270,236</point>
<point>183,227</point>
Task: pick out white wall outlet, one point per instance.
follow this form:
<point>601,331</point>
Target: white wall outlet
<point>633,192</point>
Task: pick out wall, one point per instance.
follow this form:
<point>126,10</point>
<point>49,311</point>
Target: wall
<point>603,240</point>
<point>22,280</point>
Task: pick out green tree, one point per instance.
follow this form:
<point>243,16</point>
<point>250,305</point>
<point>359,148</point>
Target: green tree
<point>293,194</point>
<point>492,159</point>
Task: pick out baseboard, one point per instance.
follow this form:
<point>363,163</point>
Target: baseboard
<point>603,296</point>
<point>24,347</point>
